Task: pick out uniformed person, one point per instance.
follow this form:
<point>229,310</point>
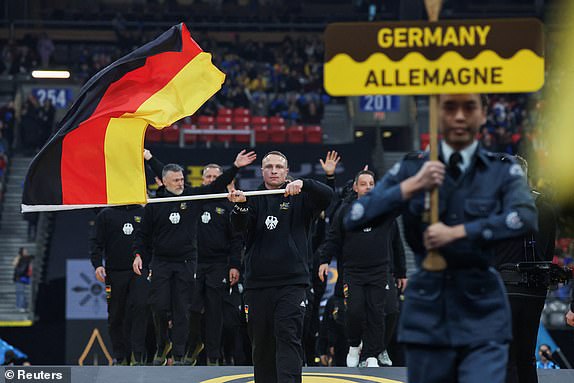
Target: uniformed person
<point>456,322</point>
<point>115,229</point>
<point>277,275</point>
<point>218,264</point>
<point>526,297</point>
<point>169,235</point>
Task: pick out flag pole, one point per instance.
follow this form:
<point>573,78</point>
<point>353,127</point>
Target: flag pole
<point>40,208</point>
<point>433,261</point>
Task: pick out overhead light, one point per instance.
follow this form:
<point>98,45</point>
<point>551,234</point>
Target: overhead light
<point>359,133</point>
<point>387,134</point>
<point>51,74</point>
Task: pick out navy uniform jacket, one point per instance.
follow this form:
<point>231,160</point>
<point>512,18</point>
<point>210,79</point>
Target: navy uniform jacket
<point>466,303</point>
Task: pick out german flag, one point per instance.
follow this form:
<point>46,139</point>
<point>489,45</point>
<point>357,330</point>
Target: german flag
<point>96,157</point>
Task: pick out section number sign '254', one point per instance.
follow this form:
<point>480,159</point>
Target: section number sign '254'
<point>407,58</point>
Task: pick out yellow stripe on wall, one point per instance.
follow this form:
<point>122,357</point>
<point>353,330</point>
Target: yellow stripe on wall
<point>123,148</point>
<point>184,94</point>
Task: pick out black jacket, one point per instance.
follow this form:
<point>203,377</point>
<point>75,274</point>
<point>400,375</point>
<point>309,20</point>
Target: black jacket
<point>169,230</point>
<point>115,230</point>
<point>368,254</point>
<point>216,240</point>
<point>278,231</point>
<point>533,246</point>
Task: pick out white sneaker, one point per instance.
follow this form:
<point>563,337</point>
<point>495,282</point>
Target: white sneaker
<point>384,359</point>
<point>372,362</point>
<point>353,356</point>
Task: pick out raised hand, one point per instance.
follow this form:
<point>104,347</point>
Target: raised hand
<point>244,158</point>
<point>330,163</point>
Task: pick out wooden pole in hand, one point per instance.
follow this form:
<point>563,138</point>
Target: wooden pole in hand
<point>433,261</point>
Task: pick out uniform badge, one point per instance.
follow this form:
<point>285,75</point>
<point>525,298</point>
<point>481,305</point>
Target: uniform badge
<point>174,218</point>
<point>513,221</point>
<point>128,228</point>
<point>284,206</point>
<point>395,169</point>
<point>205,217</point>
<point>108,292</point>
<point>246,310</point>
<point>183,206</point>
<point>220,210</point>
<point>271,222</point>
<point>516,170</point>
<point>137,219</point>
<point>357,211</point>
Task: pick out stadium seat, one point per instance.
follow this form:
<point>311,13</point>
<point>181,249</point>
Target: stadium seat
<point>243,139</point>
<point>205,120</point>
<point>152,135</point>
<point>239,112</point>
<point>170,134</point>
<point>224,137</point>
<point>206,137</point>
<point>295,134</point>
<point>425,141</point>
<point>258,120</point>
<point>189,138</point>
<point>223,120</point>
<point>314,134</point>
<point>261,134</point>
<point>277,134</point>
<point>225,112</point>
<point>276,120</point>
<point>241,120</point>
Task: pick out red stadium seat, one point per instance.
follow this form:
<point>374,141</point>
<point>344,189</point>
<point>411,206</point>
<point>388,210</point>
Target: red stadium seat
<point>171,134</point>
<point>223,120</point>
<point>238,112</point>
<point>189,138</point>
<point>276,120</point>
<point>258,120</point>
<point>241,120</point>
<point>152,135</point>
<point>295,134</point>
<point>224,112</point>
<point>314,134</point>
<point>224,137</point>
<point>205,120</point>
<point>261,134</point>
<point>206,137</point>
<point>243,139</point>
<point>277,134</point>
<point>425,141</point>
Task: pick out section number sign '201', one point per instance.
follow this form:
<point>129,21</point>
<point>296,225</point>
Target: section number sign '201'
<point>473,56</point>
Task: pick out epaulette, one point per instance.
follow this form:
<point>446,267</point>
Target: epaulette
<point>417,154</point>
<point>494,156</point>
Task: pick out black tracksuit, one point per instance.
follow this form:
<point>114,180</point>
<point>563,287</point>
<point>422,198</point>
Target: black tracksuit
<point>219,249</point>
<point>126,293</point>
<point>526,303</point>
<point>276,276</point>
<point>366,256</point>
<point>169,235</point>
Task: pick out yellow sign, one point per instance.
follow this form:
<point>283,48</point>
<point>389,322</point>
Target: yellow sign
<point>476,56</point>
